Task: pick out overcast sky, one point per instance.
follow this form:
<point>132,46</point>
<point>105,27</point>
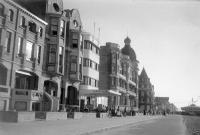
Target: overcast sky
<point>165,35</point>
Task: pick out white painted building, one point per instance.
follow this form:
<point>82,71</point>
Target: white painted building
<point>89,88</point>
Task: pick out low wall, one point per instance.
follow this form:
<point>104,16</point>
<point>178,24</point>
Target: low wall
<point>51,115</point>
<point>102,115</point>
<point>11,116</point>
<point>89,115</point>
<point>75,115</point>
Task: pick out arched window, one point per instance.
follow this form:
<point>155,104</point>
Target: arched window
<point>11,15</point>
<point>1,10</point>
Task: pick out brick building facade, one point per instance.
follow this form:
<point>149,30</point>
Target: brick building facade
<point>119,73</point>
<point>22,43</point>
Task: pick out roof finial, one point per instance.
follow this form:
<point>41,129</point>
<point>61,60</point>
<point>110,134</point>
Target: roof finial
<point>127,41</point>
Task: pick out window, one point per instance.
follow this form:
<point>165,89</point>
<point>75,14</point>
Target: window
<point>113,81</point>
<point>54,30</point>
<point>87,62</point>
<point>1,10</point>
<point>38,54</point>
<point>29,50</point>
<point>91,63</point>
<point>8,41</point>
<point>75,40</point>
<point>22,21</point>
<point>60,59</point>
<point>73,67</point>
<point>40,31</point>
<point>74,43</point>
<point>32,27</point>
<point>11,15</point>
<point>90,81</point>
<point>91,47</point>
<point>85,80</point>
<point>75,23</point>
<point>96,66</point>
<point>19,46</point>
<point>97,51</point>
<point>86,45</point>
<point>52,54</point>
<point>62,28</point>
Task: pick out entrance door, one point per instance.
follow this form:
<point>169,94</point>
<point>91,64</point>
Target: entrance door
<point>82,104</point>
<point>36,107</point>
<point>72,96</point>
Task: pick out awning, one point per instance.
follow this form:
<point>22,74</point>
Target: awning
<point>24,73</point>
<point>90,92</point>
<point>114,92</point>
<point>132,93</point>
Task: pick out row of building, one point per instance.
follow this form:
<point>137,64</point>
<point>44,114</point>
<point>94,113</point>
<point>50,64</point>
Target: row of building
<point>49,63</point>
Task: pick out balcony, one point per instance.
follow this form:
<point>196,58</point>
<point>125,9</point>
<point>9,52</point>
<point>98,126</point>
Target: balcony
<point>25,94</point>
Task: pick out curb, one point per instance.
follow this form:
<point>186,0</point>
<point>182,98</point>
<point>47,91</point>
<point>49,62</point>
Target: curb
<point>117,126</point>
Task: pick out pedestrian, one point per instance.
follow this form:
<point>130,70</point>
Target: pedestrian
<point>144,112</point>
<point>125,111</point>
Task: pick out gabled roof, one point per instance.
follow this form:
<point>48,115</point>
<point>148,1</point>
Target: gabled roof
<point>144,74</point>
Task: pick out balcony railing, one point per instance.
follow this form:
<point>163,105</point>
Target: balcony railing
<point>26,94</point>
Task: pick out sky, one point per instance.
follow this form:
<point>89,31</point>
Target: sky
<point>165,35</point>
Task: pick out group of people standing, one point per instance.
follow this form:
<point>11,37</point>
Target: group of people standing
<point>113,111</point>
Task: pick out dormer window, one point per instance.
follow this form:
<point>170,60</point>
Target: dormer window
<point>75,23</point>
<point>56,7</point>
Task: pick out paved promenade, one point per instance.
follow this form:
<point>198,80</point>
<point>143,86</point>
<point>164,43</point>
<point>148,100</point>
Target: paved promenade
<point>70,126</point>
<point>170,125</point>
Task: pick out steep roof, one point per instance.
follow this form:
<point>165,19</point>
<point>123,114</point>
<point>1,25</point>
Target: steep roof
<point>143,74</point>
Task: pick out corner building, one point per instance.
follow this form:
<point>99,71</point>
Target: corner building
<point>119,75</point>
<point>90,85</point>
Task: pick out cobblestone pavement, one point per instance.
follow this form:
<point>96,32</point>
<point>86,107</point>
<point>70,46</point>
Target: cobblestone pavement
<point>71,126</point>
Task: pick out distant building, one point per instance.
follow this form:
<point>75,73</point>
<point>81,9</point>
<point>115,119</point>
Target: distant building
<point>22,43</point>
<point>119,75</point>
<point>146,93</point>
<point>161,104</point>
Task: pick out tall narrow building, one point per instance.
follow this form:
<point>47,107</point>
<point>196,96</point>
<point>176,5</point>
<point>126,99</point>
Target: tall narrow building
<point>146,93</point>
<point>90,84</point>
<point>73,74</point>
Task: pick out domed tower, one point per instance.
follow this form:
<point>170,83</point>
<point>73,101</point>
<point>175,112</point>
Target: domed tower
<point>128,50</point>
